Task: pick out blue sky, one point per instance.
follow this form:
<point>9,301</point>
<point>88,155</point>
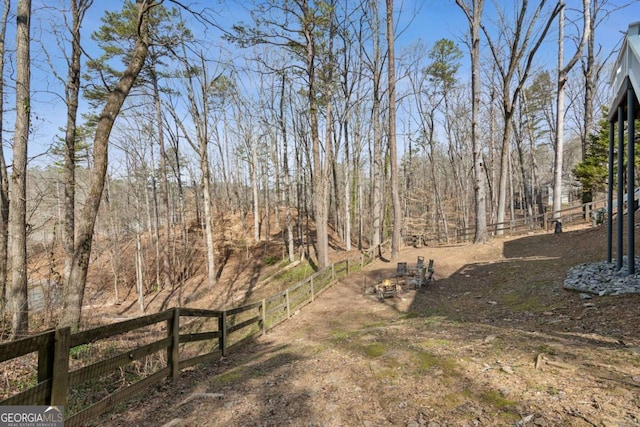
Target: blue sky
<point>442,18</point>
<point>430,20</point>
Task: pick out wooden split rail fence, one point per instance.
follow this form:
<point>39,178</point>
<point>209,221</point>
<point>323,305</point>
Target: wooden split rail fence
<point>517,226</point>
<point>73,368</point>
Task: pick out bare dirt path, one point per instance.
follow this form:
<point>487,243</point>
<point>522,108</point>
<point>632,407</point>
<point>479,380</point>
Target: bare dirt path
<point>495,341</point>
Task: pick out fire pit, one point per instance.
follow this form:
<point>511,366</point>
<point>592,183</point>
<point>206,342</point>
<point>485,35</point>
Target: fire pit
<point>386,289</point>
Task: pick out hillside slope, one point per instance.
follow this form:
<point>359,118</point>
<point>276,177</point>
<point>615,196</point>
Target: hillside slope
<point>495,341</point>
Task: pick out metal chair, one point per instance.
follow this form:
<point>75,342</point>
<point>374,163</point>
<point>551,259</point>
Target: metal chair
<point>430,271</point>
<point>402,269</point>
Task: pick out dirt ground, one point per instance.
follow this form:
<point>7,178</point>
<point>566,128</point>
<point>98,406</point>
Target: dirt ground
<point>495,341</point>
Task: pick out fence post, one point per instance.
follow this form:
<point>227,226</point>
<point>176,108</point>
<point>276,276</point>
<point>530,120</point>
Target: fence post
<point>286,299</point>
<point>60,377</point>
<point>313,291</point>
<point>45,364</point>
<point>587,211</point>
<point>222,329</point>
<point>173,332</point>
<point>347,266</point>
<point>263,309</point>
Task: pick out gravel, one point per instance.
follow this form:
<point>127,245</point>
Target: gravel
<point>603,278</point>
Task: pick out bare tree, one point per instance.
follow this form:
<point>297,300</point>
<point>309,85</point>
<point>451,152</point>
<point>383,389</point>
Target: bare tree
<point>200,117</point>
<point>563,71</point>
<point>72,93</point>
<point>441,75</point>
<point>18,199</point>
<point>285,170</point>
<point>165,278</point>
<point>591,90</point>
<point>4,178</point>
<point>457,124</point>
<point>297,27</point>
<point>75,284</point>
<point>320,197</point>
<point>473,12</point>
<point>377,163</point>
<point>248,134</point>
<point>514,73</point>
<point>323,181</point>
<point>393,151</point>
<point>346,90</point>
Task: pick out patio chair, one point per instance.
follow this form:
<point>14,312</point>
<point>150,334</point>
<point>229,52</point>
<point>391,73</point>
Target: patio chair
<point>402,269</point>
<point>429,274</point>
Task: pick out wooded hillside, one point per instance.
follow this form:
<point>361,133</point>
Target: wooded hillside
<point>167,120</point>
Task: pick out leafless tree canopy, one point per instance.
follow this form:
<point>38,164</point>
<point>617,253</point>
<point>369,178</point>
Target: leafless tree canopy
<point>170,130</point>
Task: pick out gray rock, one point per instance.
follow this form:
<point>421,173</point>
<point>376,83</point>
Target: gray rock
<point>602,278</point>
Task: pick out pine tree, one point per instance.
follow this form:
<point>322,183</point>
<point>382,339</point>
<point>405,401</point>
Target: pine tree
<point>75,283</point>
<point>592,172</point>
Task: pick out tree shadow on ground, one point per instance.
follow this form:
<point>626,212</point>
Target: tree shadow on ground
<point>525,290</point>
<point>465,346</point>
<point>209,384</point>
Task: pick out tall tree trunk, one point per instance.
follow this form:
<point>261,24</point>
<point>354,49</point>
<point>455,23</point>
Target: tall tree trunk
<point>154,222</point>
<point>285,171</point>
<point>4,178</point>
<point>517,42</point>
<point>208,215</point>
<point>255,186</point>
<point>346,127</point>
<point>139,273</point>
<point>490,162</point>
<point>18,201</point>
<point>474,16</point>
<point>559,146</point>
<point>563,72</point>
<point>329,159</point>
<point>320,201</point>
<point>377,165</point>
<point>164,185</point>
<point>525,194</point>
<point>72,94</point>
<point>335,201</point>
<point>323,230</point>
<point>393,151</point>
<point>505,153</point>
<point>267,202</point>
<point>183,263</point>
<point>75,283</point>
<point>511,190</point>
<point>115,242</point>
<point>457,168</point>
<point>481,234</point>
<point>347,189</point>
<point>200,120</point>
<point>277,176</point>
<point>224,160</point>
<point>590,75</point>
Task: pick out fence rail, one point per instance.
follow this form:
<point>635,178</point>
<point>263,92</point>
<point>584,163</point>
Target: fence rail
<point>514,226</point>
<point>59,375</point>
<point>58,379</point>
